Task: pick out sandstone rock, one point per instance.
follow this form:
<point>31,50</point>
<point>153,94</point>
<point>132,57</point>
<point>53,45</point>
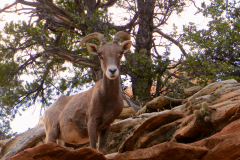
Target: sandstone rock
<point>23,141</point>
<point>160,103</point>
<point>146,134</point>
<point>2,142</point>
<point>163,151</point>
<point>142,110</point>
<point>125,104</point>
<point>115,140</point>
<point>111,156</point>
<point>121,130</point>
<point>225,114</point>
<point>210,132</point>
<point>127,112</point>
<point>216,95</point>
<point>211,88</point>
<point>122,125</point>
<point>223,107</point>
<point>227,150</point>
<point>191,91</point>
<point>228,92</point>
<point>194,128</point>
<point>40,122</point>
<point>224,145</point>
<point>53,151</point>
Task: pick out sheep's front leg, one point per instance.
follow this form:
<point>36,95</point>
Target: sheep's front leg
<point>52,132</point>
<point>103,139</point>
<point>92,133</point>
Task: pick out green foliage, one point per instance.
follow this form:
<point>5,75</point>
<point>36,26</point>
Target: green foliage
<point>145,67</point>
<point>25,78</point>
<point>215,50</point>
<point>67,5</point>
<point>9,88</point>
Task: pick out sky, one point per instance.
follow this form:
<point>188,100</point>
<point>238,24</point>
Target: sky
<point>31,116</point>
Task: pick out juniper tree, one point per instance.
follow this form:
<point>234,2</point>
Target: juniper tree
<point>40,58</point>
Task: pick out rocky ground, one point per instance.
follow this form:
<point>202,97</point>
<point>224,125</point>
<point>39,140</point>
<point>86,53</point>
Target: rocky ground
<point>204,126</point>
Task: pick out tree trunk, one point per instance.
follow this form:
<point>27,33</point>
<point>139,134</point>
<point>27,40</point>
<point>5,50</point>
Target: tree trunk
<point>141,83</point>
<point>91,5</point>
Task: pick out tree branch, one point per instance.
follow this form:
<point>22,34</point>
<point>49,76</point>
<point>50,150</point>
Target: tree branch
<point>58,39</point>
<point>129,102</point>
<point>42,35</point>
<point>7,7</point>
<point>65,55</point>
<point>198,8</point>
<point>110,3</point>
<point>56,11</point>
<point>28,62</point>
<point>172,40</point>
<point>129,25</point>
<point>181,78</point>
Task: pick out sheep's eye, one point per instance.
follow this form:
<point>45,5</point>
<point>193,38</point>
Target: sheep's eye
<point>100,56</point>
<point>120,55</point>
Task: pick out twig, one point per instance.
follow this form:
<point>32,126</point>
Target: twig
<point>172,40</point>
<point>5,8</point>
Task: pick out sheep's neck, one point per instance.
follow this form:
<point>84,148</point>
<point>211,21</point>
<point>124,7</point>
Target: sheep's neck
<point>110,87</point>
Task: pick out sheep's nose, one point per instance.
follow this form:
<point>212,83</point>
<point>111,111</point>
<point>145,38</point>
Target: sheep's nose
<point>112,70</point>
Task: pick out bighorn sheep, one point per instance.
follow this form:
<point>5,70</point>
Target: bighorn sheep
<point>87,116</point>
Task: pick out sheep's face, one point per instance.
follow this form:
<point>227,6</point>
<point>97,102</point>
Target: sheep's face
<point>109,55</point>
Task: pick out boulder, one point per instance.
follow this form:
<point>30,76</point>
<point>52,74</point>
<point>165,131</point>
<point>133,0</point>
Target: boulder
<point>126,112</point>
<point>53,151</point>
<point>208,90</point>
<point>192,90</point>
<point>207,112</point>
<point>22,141</point>
<point>216,95</point>
<point>131,122</point>
<point>2,142</point>
<point>163,151</point>
<point>147,134</point>
<point>121,130</point>
<point>224,145</point>
<point>160,103</point>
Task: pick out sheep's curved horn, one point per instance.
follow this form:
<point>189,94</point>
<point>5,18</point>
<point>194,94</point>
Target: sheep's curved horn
<point>94,35</point>
<point>121,34</point>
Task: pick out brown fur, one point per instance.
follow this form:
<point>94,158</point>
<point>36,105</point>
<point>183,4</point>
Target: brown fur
<point>87,116</point>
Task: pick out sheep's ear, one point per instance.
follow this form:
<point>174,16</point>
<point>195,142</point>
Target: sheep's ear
<point>92,48</point>
<point>126,45</point>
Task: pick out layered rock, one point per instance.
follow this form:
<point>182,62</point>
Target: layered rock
<point>163,151</point>
<point>53,151</point>
<point>223,145</point>
<point>23,141</point>
<point>191,91</point>
<point>205,126</point>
